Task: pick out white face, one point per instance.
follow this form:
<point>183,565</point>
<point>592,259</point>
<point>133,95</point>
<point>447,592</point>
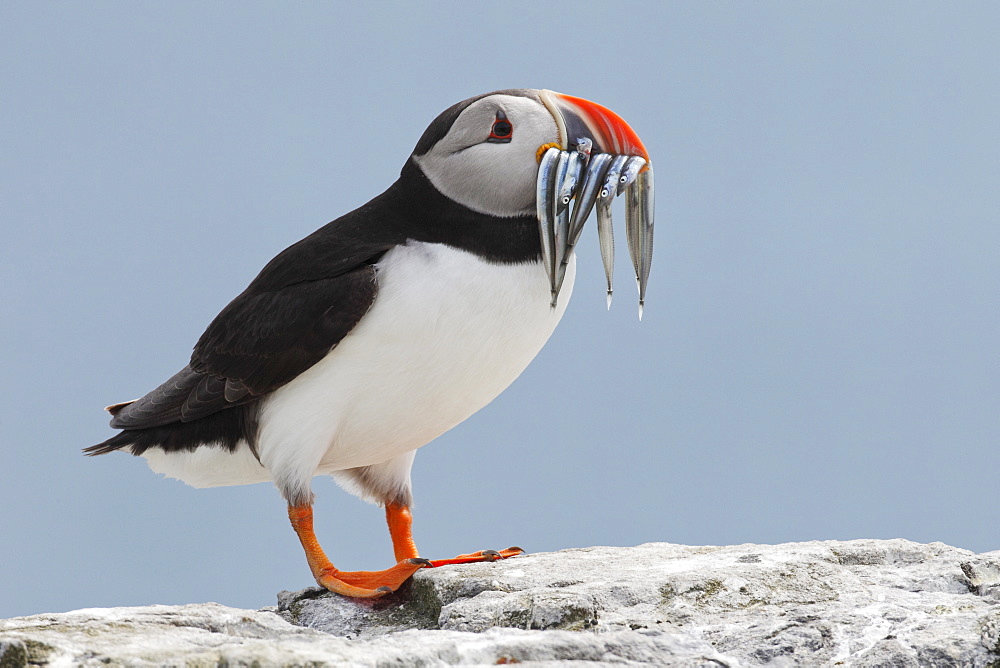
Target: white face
<point>488,177</point>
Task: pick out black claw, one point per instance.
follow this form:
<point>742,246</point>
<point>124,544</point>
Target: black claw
<point>515,547</point>
<point>384,589</point>
<point>418,561</point>
<point>491,555</point>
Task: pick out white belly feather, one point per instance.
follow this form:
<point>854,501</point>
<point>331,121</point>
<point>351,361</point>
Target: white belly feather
<point>447,333</point>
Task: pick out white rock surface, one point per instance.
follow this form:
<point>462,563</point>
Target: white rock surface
<point>856,603</point>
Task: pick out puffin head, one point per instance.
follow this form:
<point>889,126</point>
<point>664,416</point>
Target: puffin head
<point>522,152</point>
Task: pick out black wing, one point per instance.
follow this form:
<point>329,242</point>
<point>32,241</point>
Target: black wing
<point>300,306</point>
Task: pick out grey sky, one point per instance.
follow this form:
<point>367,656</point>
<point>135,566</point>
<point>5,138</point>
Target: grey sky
<point>819,356</point>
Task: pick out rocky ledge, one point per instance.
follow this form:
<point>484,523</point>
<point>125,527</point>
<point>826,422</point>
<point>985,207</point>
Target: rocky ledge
<point>857,603</point>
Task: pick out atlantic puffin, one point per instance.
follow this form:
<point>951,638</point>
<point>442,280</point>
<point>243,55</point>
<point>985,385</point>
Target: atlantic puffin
<point>390,325</point>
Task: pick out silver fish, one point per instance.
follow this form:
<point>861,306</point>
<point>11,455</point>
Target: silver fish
<point>567,187</point>
<point>587,194</point>
<point>629,172</point>
<point>543,206</point>
<point>561,225</point>
<point>639,229</point>
<point>610,189</point>
<point>593,181</point>
<point>605,235</point>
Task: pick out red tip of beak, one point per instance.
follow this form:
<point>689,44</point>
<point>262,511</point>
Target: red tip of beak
<point>614,133</point>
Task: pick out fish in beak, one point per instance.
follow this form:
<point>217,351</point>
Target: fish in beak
<point>598,157</point>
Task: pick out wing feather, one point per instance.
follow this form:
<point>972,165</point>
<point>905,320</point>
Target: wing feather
<point>277,328</point>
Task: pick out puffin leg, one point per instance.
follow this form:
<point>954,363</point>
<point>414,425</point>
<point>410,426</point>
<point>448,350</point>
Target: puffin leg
<point>356,584</point>
<point>400,522</point>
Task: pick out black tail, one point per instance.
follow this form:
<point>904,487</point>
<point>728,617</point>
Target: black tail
<point>189,410</point>
<point>227,429</point>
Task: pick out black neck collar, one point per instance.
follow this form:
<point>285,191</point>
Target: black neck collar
<point>424,214</point>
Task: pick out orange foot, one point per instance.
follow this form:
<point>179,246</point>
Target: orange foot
<point>482,555</point>
<point>400,522</point>
<point>372,584</point>
<point>369,584</point>
<point>356,584</point>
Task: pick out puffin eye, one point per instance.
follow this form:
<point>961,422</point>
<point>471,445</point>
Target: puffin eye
<point>501,131</point>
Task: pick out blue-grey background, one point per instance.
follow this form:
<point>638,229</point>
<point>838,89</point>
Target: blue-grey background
<point>819,356</point>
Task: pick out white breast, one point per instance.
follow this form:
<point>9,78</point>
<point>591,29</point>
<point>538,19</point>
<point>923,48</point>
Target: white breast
<point>447,333</point>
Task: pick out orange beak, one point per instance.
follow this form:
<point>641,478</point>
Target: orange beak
<point>578,118</point>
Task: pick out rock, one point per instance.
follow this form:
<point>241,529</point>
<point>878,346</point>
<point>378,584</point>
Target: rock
<point>209,634</point>
<point>859,603</point>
